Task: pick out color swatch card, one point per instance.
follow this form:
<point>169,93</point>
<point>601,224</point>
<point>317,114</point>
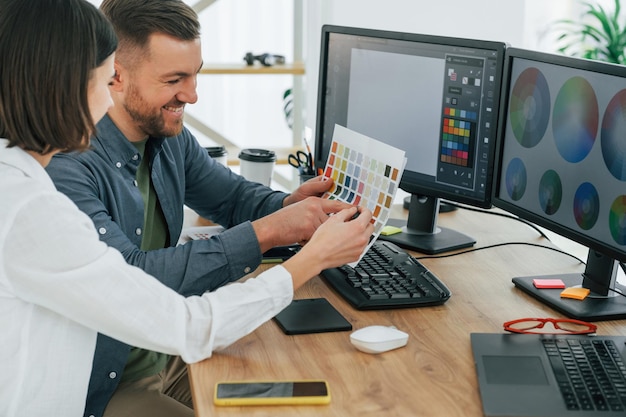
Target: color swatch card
<point>365,172</point>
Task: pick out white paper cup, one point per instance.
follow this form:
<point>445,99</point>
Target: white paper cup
<point>219,154</point>
<point>257,165</point>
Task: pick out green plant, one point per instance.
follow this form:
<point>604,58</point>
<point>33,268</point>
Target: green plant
<point>599,35</point>
<point>288,107</point>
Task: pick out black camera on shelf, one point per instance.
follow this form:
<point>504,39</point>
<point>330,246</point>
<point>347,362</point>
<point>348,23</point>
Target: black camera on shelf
<point>266,59</point>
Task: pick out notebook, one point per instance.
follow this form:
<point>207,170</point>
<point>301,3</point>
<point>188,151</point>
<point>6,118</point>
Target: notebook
<point>516,377</point>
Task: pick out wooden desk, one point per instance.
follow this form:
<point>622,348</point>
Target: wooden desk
<point>434,374</point>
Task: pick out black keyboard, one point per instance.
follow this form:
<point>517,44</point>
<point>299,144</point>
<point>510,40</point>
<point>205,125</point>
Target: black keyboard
<point>590,373</point>
<point>387,277</point>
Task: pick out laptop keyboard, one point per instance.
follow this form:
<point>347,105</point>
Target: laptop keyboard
<point>591,373</point>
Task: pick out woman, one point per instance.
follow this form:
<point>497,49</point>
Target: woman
<point>59,285</point>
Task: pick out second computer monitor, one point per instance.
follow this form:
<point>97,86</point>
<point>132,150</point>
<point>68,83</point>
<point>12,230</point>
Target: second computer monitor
<point>562,165</point>
<point>434,97</point>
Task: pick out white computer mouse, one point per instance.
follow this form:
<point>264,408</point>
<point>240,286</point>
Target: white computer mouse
<point>378,339</point>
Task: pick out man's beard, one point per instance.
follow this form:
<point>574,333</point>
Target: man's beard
<point>151,123</point>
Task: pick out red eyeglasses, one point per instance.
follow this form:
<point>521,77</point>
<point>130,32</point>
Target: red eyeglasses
<point>560,326</point>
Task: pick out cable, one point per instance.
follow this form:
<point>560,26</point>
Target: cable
<point>502,244</point>
<point>508,216</point>
<point>521,243</point>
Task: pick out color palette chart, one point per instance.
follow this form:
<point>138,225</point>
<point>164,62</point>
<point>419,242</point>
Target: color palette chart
<point>456,142</point>
<point>365,172</point>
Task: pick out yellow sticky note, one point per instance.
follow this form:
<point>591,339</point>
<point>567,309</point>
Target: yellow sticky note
<point>576,293</point>
<point>390,230</point>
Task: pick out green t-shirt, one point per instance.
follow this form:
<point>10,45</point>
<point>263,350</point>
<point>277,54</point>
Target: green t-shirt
<point>143,363</point>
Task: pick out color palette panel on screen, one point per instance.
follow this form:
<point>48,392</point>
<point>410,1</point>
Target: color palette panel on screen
<point>456,144</point>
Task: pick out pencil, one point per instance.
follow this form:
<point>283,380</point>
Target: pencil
<point>308,149</point>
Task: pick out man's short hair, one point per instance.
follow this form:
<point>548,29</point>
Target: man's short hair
<point>136,20</point>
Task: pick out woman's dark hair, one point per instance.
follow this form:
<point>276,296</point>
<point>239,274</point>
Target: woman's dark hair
<point>48,50</point>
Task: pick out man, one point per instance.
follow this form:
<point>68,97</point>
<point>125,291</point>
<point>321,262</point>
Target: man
<point>144,167</point>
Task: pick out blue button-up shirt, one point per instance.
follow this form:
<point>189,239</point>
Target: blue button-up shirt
<point>102,183</point>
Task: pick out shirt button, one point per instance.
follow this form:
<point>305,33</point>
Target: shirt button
<point>135,183</point>
<point>138,231</point>
<point>112,375</point>
<point>118,164</point>
<point>102,230</point>
<point>247,269</point>
<point>135,157</point>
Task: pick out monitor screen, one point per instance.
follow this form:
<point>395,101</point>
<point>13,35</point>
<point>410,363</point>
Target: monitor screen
<point>436,98</point>
<point>562,165</point>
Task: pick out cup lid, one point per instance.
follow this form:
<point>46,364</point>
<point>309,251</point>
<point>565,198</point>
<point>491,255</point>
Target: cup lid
<point>216,151</point>
<point>257,155</point>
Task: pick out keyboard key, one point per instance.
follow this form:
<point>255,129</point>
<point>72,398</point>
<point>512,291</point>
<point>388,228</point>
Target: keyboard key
<point>591,374</point>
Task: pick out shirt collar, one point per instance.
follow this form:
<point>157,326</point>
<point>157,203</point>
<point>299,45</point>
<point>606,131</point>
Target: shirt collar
<point>112,142</point>
<point>21,160</point>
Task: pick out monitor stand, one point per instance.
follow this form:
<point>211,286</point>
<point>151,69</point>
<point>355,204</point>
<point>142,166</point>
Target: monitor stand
<point>443,206</point>
<point>601,304</point>
<point>421,233</point>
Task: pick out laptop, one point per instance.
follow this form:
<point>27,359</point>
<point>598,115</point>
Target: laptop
<point>516,377</point>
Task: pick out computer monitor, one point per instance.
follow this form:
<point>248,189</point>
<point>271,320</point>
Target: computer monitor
<point>562,166</point>
<point>434,97</point>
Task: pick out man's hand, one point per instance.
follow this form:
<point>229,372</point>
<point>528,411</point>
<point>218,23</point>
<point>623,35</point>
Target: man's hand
<point>295,223</point>
<point>340,240</point>
<point>314,187</point>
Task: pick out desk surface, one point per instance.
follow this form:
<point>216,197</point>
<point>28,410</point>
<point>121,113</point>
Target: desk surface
<point>434,374</point>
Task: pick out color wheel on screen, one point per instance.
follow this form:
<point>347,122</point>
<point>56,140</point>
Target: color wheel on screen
<point>586,206</point>
<point>575,119</point>
<point>550,192</point>
<point>612,138</point>
<point>529,109</point>
<point>617,220</point>
<point>515,179</point>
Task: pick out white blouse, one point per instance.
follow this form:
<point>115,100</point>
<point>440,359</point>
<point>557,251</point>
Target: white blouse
<point>59,285</point>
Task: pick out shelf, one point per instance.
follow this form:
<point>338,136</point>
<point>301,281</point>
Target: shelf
<point>297,68</point>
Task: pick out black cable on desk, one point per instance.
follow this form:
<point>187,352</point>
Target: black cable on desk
<point>510,216</point>
<point>518,243</point>
<point>506,215</point>
<point>502,244</point>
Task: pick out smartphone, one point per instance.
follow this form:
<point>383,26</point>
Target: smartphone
<point>279,254</point>
<point>271,392</point>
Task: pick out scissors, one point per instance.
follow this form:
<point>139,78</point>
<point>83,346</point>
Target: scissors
<point>301,162</point>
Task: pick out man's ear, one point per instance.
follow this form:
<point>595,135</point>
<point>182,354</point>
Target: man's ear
<point>117,83</point>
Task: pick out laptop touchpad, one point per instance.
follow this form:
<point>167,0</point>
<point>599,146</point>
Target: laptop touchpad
<point>514,370</point>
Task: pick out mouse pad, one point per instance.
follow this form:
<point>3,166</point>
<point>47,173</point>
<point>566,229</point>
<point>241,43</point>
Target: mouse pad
<point>311,315</point>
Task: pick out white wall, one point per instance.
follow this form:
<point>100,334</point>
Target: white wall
<point>248,109</point>
<point>520,23</point>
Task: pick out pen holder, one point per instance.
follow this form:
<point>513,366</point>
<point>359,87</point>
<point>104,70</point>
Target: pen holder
<point>305,177</point>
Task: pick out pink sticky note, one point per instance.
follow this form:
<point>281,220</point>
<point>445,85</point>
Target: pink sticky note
<point>548,283</point>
